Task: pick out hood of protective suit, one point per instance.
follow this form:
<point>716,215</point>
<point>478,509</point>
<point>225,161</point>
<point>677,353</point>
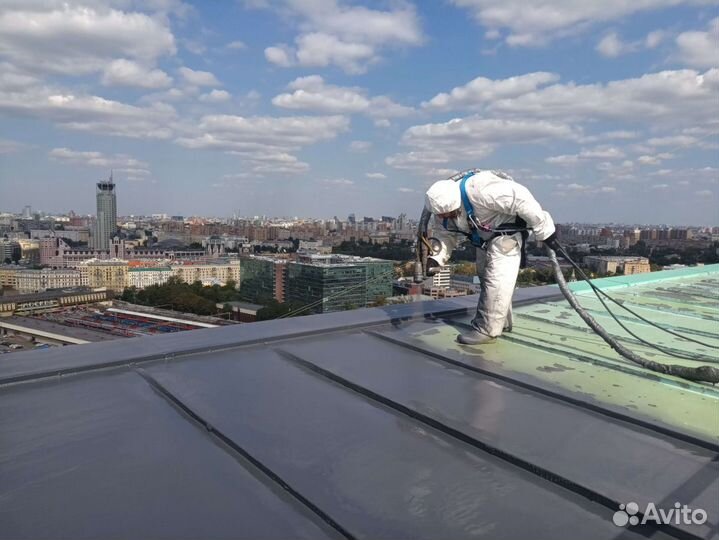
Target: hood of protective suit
<point>443,196</point>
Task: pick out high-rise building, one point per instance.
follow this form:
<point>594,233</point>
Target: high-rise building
<point>106,224</point>
<point>27,212</point>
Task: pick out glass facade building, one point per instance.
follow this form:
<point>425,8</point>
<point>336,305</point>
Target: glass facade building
<point>106,224</point>
<point>339,283</point>
<point>263,279</point>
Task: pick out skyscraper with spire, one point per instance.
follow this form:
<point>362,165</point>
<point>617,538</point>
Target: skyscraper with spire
<point>106,224</point>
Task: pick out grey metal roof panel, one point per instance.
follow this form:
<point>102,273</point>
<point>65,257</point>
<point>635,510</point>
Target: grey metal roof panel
<point>104,456</point>
<point>597,455</point>
<point>366,424</point>
<point>378,473</point>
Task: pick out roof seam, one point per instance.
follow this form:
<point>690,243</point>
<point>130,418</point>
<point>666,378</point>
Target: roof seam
<point>616,415</point>
<point>235,448</point>
<point>477,444</point>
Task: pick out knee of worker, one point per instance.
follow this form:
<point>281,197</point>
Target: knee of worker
<point>480,261</point>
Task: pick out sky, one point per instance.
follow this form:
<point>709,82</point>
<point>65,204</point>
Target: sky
<point>608,111</point>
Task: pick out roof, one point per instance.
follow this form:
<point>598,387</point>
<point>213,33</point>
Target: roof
<point>150,269</point>
<point>371,423</point>
<point>55,330</point>
<point>52,294</point>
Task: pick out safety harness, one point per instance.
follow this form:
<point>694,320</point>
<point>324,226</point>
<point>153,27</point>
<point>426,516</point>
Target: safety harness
<point>506,229</point>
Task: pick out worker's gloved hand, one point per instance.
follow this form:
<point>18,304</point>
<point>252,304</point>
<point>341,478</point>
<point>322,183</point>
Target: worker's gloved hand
<point>552,242</point>
<point>432,267</point>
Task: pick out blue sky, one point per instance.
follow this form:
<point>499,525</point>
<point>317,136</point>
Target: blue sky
<point>607,111</point>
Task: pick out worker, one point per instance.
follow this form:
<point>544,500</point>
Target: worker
<point>494,212</point>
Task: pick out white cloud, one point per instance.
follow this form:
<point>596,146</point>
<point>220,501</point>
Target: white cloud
<point>465,132</point>
<point>74,40</point>
<point>584,188</point>
<point>656,159</point>
<point>120,162</point>
<point>236,45</point>
<point>612,46</point>
<point>266,143</point>
<point>667,97</point>
<point>216,96</point>
<point>350,37</point>
<point>704,193</point>
<point>470,139</point>
<point>481,91</point>
<point>360,146</point>
<point>535,23</point>
<point>599,152</point>
<point>406,190</point>
<point>280,55</point>
<point>679,141</point>
<point>376,176</point>
<point>198,78</point>
<point>337,181</point>
<point>566,159</point>
<point>655,100</point>
<point>654,38</point>
<point>700,49</point>
<point>314,94</point>
<point>620,134</point>
<point>10,147</point>
<point>124,72</point>
<point>382,107</point>
<point>321,50</point>
<point>83,112</point>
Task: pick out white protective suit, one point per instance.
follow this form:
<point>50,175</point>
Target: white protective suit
<point>496,199</point>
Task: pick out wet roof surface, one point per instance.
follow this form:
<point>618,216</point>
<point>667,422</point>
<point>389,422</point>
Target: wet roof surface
<point>365,424</point>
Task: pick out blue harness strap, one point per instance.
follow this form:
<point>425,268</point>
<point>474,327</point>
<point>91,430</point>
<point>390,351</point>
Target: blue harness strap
<point>477,240</point>
<point>465,198</point>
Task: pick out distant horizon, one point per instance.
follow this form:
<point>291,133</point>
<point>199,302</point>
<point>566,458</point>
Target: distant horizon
<point>344,218</point>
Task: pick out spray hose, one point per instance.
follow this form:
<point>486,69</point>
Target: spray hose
<point>701,374</point>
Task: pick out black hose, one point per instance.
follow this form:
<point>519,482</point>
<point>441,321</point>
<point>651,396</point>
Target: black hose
<point>702,373</point>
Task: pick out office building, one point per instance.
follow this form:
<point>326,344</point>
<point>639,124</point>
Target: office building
<point>264,278</point>
<point>10,251</point>
<point>106,222</point>
<point>338,282</point>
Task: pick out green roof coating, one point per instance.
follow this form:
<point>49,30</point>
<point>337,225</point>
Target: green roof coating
<point>552,345</point>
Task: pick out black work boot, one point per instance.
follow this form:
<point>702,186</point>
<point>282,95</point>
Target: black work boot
<point>475,337</point>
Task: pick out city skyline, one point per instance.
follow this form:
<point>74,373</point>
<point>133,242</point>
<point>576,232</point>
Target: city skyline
<point>322,108</point>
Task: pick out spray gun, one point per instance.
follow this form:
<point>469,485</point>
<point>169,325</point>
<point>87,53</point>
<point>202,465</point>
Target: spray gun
<point>425,246</point>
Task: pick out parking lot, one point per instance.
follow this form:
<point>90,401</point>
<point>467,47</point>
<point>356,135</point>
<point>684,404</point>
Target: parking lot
<point>13,343</point>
